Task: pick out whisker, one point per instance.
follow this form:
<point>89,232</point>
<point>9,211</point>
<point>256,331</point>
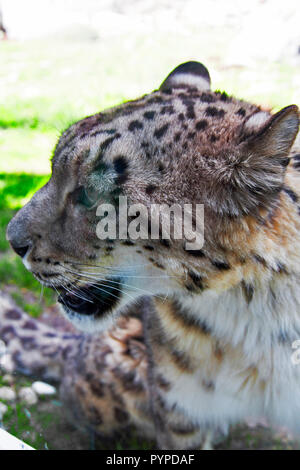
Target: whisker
<point>77,294</point>
<point>96,284</point>
<point>93,284</point>
<point>96,278</point>
<point>83,289</point>
<point>120,273</point>
<point>115,288</point>
<point>53,286</point>
<point>109,267</point>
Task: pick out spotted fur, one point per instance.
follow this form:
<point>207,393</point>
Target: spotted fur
<point>214,344</point>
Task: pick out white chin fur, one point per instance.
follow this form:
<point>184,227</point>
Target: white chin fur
<point>89,323</point>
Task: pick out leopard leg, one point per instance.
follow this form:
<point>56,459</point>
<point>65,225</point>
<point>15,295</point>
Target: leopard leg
<point>105,385</point>
<point>175,431</point>
<point>31,347</point>
<point>101,378</point>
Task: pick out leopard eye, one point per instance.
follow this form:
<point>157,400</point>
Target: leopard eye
<point>86,197</point>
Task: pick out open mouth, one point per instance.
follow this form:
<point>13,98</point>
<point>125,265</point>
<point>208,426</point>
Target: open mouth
<point>92,299</point>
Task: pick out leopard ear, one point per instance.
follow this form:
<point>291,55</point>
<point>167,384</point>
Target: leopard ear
<point>272,137</point>
<point>189,74</point>
<point>265,154</point>
<point>254,174</point>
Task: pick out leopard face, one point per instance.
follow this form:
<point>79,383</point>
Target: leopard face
<point>182,144</point>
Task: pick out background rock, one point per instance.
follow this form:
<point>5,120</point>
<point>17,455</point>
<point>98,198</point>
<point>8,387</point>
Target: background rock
<point>28,396</point>
<point>7,393</point>
<point>42,388</point>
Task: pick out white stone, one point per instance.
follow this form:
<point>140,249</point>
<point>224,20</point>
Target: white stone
<point>3,410</point>
<point>2,348</point>
<point>41,388</point>
<point>7,393</point>
<point>6,363</point>
<point>8,379</point>
<point>28,396</point>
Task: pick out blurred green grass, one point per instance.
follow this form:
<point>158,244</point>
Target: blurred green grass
<point>47,85</point>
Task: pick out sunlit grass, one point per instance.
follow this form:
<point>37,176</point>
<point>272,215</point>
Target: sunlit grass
<point>47,85</point>
<point>24,150</point>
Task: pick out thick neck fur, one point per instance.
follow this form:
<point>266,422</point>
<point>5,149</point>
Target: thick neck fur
<point>269,320</point>
<point>255,305</point>
<point>245,349</point>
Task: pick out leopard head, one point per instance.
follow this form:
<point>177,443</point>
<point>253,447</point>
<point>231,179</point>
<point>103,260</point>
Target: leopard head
<point>181,145</point>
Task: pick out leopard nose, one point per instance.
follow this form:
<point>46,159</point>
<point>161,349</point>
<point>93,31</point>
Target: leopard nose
<point>20,250</point>
<point>18,234</point>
